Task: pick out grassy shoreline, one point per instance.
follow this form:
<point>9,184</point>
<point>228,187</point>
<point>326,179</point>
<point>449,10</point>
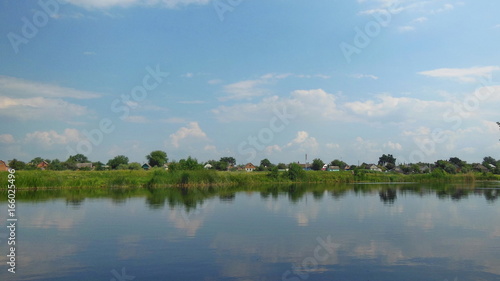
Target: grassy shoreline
<point>200,178</point>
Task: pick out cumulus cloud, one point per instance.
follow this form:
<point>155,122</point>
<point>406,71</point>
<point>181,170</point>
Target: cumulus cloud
<point>49,138</point>
<point>7,138</point>
<point>303,142</point>
<point>311,104</point>
<point>191,131</point>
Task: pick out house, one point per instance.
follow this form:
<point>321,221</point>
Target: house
<point>250,167</point>
<point>43,165</point>
<point>3,166</point>
<point>480,168</point>
<point>84,166</point>
<point>374,167</point>
<point>146,166</point>
<point>334,169</point>
<point>208,166</point>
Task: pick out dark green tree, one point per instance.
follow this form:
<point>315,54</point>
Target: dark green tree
<point>282,166</point>
<point>266,163</point>
<point>229,160</point>
<point>317,164</point>
<point>190,164</point>
<point>386,159</point>
<point>457,161</point>
<point>339,163</point>
<point>56,165</point>
<point>117,161</point>
<point>295,172</point>
<point>157,158</point>
<point>37,160</point>
<point>17,164</point>
<point>78,158</point>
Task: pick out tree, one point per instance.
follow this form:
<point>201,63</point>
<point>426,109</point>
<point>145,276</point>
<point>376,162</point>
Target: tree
<point>37,160</point>
<point>281,166</point>
<point>295,172</point>
<point>386,159</point>
<point>229,160</point>
<point>339,163</point>
<point>134,166</point>
<point>457,161</point>
<point>78,158</point>
<point>56,165</point>
<point>157,158</point>
<point>17,164</point>
<point>122,167</point>
<point>117,161</point>
<point>266,163</point>
<point>317,164</point>
<point>190,164</point>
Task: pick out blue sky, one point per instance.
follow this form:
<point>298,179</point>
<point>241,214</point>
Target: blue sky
<point>276,79</point>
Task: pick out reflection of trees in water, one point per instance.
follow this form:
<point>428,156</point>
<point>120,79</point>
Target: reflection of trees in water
<point>74,202</point>
<point>229,197</point>
<point>491,195</point>
<point>388,196</point>
<point>191,198</point>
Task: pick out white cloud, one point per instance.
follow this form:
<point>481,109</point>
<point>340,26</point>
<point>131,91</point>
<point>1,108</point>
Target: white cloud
<point>496,26</point>
<point>463,74</point>
<point>244,90</point>
<point>191,131</point>
<point>332,145</point>
<point>304,142</point>
<point>393,146</point>
<point>7,138</point>
<point>406,28</point>
<point>105,4</point>
<point>311,104</point>
<point>273,148</point>
<point>11,86</point>
<point>420,20</point>
<point>39,108</point>
<point>444,8</point>
<point>361,76</point>
<point>50,138</point>
<point>210,147</point>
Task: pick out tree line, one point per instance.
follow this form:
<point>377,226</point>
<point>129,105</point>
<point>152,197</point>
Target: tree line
<point>159,158</point>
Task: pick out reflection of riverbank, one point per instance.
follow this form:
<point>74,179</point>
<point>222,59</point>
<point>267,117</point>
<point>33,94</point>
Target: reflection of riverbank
<point>192,198</point>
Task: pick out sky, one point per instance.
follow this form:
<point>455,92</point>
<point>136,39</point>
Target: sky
<point>276,79</point>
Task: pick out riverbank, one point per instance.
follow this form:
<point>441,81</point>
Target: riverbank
<point>162,178</point>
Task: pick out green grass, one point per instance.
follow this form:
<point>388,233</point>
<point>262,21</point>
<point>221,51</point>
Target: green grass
<point>161,178</point>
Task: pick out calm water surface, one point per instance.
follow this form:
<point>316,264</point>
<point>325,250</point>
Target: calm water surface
<point>348,232</point>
